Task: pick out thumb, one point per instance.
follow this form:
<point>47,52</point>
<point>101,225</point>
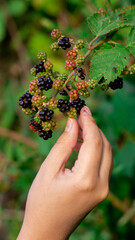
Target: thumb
<point>63,148</point>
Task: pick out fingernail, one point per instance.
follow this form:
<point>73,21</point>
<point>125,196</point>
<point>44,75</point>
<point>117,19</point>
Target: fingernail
<point>68,125</point>
<point>87,110</point>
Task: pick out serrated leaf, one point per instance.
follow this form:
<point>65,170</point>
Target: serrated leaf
<point>109,62</point>
<point>131,41</point>
<point>101,24</point>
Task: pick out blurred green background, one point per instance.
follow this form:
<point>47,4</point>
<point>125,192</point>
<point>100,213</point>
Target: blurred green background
<point>25,27</point>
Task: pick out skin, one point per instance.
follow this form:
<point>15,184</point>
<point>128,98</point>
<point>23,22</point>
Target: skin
<point>60,198</point>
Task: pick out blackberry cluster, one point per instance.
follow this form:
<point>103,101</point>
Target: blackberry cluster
<point>44,83</point>
<point>46,114</point>
<point>25,100</point>
<point>64,43</point>
<point>81,73</point>
<point>63,92</point>
<point>63,105</point>
<point>78,104</point>
<point>39,67</point>
<point>118,83</point>
<point>45,134</point>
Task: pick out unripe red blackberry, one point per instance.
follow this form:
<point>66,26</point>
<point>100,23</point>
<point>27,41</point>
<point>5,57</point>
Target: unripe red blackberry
<point>33,87</point>
<point>52,103</point>
<point>34,126</point>
<point>64,43</point>
<point>82,85</point>
<point>81,73</point>
<point>48,66</point>
<point>84,93</point>
<point>46,114</point>
<point>54,46</point>
<point>73,94</point>
<point>33,71</point>
<point>63,76</point>
<point>27,111</point>
<point>104,86</point>
<point>132,69</point>
<point>56,33</point>
<point>70,64</point>
<point>80,44</point>
<point>78,104</point>
<point>92,84</point>
<point>58,84</point>
<point>42,56</point>
<point>72,54</point>
<point>37,100</point>
<point>80,60</point>
<point>63,105</point>
<point>72,112</point>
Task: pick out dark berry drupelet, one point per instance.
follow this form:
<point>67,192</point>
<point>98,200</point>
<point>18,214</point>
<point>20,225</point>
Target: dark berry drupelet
<point>118,83</point>
<point>81,73</point>
<point>25,100</point>
<point>63,105</point>
<point>64,43</point>
<point>39,67</point>
<point>78,104</point>
<point>46,114</point>
<point>34,126</point>
<point>44,83</point>
<point>45,134</point>
<point>102,80</point>
<point>63,92</point>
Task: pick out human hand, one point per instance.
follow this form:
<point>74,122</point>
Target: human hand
<point>60,198</point>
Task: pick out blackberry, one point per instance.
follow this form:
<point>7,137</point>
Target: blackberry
<point>78,104</point>
<point>81,73</point>
<point>72,112</point>
<point>72,54</point>
<point>54,46</point>
<point>92,83</point>
<point>39,67</point>
<point>46,114</point>
<point>45,134</point>
<point>42,56</point>
<point>80,60</point>
<point>63,76</point>
<point>70,64</point>
<point>81,85</point>
<point>58,84</point>
<point>52,103</point>
<point>27,111</point>
<point>44,83</point>
<point>25,100</point>
<point>63,105</point>
<point>63,92</point>
<point>73,94</point>
<point>33,87</point>
<point>34,126</point>
<point>64,43</point>
<point>118,83</point>
<point>80,44</point>
<point>102,80</point>
<point>48,66</point>
<point>56,33</point>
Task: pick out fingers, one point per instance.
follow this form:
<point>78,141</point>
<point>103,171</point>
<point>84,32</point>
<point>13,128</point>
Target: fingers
<point>107,160</point>
<point>90,153</point>
<point>61,151</point>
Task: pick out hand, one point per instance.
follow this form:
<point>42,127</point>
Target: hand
<point>60,198</point>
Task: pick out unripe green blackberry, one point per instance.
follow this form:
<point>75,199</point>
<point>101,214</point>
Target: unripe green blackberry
<point>80,60</point>
<point>82,85</point>
<point>46,126</point>
<point>54,46</point>
<point>27,111</point>
<point>33,71</point>
<point>84,93</point>
<point>80,44</point>
<point>72,54</point>
<point>33,87</point>
<point>45,74</point>
<point>56,34</point>
<point>73,94</point>
<point>104,86</point>
<point>92,84</point>
<point>54,124</point>
<point>63,76</point>
<point>52,103</point>
<point>70,64</point>
<point>42,56</point>
<point>132,69</point>
<point>37,100</point>
<point>48,66</point>
<point>58,84</point>
<point>72,112</point>
<point>37,119</point>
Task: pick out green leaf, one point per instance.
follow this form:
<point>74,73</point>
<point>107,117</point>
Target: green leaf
<point>101,24</point>
<point>131,41</point>
<point>109,62</point>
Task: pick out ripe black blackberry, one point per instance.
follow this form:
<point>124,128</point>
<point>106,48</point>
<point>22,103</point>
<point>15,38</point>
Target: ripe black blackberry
<point>63,92</point>
<point>45,134</point>
<point>46,114</point>
<point>102,80</point>
<point>81,73</point>
<point>64,43</point>
<point>39,67</point>
<point>78,104</point>
<point>25,100</point>
<point>118,83</point>
<point>63,105</point>
<point>44,83</point>
<point>34,126</point>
